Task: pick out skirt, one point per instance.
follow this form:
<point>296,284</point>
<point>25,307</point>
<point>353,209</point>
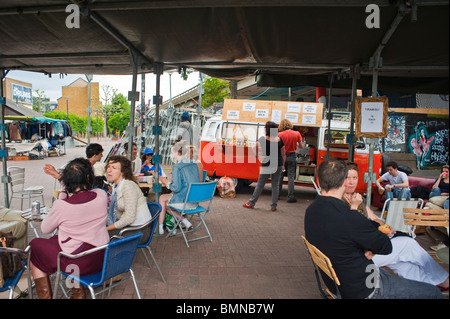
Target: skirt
<point>44,254</point>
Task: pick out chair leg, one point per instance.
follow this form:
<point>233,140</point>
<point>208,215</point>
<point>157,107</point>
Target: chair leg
<point>156,264</point>
<point>135,284</point>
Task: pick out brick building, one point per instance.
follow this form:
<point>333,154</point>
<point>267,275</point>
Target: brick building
<point>74,98</point>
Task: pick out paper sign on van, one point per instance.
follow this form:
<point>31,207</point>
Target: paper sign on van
<point>233,115</point>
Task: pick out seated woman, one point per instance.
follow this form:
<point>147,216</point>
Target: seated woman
<point>128,206</point>
<point>147,167</point>
<point>80,216</point>
<point>408,259</point>
<point>192,154</point>
<point>184,172</point>
<point>441,185</point>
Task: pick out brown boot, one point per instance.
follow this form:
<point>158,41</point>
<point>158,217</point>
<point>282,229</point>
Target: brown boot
<point>43,288</point>
<point>77,293</point>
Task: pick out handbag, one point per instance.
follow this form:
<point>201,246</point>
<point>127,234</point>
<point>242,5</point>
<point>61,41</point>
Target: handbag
<point>10,263</point>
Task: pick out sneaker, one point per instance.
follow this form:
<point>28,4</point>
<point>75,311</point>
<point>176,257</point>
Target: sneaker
<point>292,200</point>
<point>273,209</point>
<point>247,205</point>
<point>438,246</point>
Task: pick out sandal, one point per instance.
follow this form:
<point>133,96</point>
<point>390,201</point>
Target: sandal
<point>247,205</point>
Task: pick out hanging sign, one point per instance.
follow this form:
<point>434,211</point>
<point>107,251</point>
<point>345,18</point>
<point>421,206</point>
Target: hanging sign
<point>371,117</point>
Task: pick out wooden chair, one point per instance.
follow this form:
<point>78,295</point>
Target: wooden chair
<point>425,217</point>
<point>320,260</point>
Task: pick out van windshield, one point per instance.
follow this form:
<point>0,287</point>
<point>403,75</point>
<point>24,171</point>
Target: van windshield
<point>242,134</point>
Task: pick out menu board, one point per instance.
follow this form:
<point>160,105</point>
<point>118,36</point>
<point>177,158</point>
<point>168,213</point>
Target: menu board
<point>261,111</point>
<point>371,117</point>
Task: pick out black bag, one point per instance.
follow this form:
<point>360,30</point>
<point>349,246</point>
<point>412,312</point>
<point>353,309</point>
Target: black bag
<point>11,263</point>
<point>420,191</point>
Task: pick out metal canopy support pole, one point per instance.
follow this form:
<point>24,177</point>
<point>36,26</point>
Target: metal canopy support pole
<point>5,178</point>
<point>133,96</point>
<point>327,156</point>
<point>376,62</point>
<point>157,100</point>
<point>89,109</point>
<point>350,139</point>
<point>143,111</point>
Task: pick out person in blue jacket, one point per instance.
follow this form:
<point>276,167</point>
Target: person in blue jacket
<point>147,167</point>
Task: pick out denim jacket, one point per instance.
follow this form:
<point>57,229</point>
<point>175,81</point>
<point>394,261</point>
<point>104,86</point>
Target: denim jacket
<point>184,173</point>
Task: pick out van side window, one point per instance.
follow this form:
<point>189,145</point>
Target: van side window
<point>211,129</point>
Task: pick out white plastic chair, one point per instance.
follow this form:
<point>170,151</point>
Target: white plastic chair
<point>17,185</point>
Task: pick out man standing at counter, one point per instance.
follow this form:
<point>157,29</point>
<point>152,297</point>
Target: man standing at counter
<point>292,139</point>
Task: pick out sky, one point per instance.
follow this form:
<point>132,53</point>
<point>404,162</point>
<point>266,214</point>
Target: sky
<point>52,86</point>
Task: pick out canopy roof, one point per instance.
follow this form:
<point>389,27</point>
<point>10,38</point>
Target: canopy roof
<point>285,42</point>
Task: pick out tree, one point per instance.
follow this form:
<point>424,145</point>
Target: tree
<point>119,104</point>
<point>119,121</point>
<point>40,102</point>
<point>215,91</point>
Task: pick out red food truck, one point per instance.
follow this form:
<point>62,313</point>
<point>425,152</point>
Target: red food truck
<point>228,143</point>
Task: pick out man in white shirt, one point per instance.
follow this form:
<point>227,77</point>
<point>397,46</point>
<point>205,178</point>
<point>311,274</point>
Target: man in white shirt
<point>399,184</point>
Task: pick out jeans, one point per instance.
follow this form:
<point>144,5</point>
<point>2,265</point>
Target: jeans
<point>291,169</point>
<point>262,182</point>
<point>400,193</point>
<point>394,287</point>
<point>435,192</point>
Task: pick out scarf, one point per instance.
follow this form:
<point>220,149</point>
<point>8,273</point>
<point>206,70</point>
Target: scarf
<point>112,210</point>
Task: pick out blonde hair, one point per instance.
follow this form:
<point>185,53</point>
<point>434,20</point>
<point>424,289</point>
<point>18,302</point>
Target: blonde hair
<point>285,125</point>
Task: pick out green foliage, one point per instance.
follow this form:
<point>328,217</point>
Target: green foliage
<point>215,91</point>
<point>119,121</point>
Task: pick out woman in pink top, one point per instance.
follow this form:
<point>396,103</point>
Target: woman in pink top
<point>79,215</point>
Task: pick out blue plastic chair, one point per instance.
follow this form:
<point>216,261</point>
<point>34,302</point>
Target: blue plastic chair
<point>119,256</point>
<point>148,229</point>
<point>197,193</point>
<point>10,283</point>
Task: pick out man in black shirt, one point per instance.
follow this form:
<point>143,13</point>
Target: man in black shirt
<point>350,240</point>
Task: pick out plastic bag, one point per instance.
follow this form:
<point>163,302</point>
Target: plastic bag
<point>226,187</point>
<point>169,222</point>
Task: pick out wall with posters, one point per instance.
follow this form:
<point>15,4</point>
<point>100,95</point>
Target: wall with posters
<point>424,135</point>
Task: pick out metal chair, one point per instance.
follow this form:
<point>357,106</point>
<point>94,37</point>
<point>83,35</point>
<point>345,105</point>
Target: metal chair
<point>148,229</point>
<point>322,262</point>
<point>16,176</point>
<point>394,215</point>
<point>197,193</point>
<point>10,283</point>
<point>119,256</point>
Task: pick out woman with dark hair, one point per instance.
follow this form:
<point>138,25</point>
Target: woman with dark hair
<point>272,155</point>
<point>128,205</point>
<point>441,185</point>
<point>80,217</point>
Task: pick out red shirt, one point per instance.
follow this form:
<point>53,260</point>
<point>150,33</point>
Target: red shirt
<point>290,139</point>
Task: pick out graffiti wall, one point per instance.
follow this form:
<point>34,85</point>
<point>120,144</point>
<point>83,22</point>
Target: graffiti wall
<point>427,137</point>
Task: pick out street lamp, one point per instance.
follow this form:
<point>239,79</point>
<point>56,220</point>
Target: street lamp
<point>67,108</point>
